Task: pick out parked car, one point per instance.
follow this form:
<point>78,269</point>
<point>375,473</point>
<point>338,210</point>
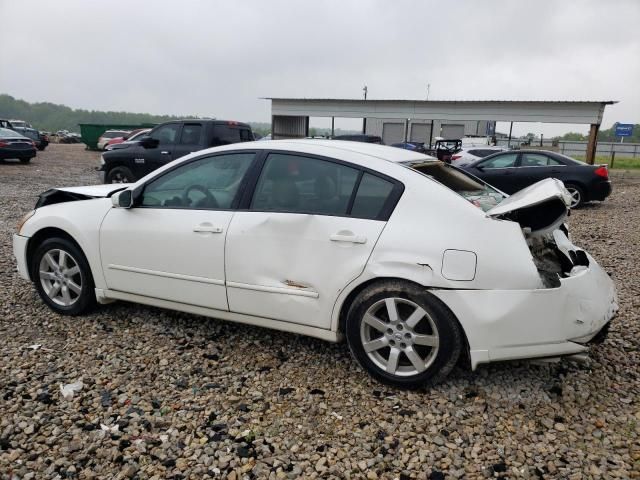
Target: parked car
<point>514,170</point>
<point>131,137</point>
<point>14,145</point>
<point>359,137</point>
<point>471,154</point>
<point>110,135</point>
<point>169,141</point>
<point>6,124</point>
<point>330,239</point>
<point>20,124</point>
<point>130,141</point>
<point>41,141</point>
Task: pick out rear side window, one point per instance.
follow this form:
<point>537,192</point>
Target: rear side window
<point>373,194</point>
<point>191,134</point>
<point>296,184</point>
<point>225,134</point>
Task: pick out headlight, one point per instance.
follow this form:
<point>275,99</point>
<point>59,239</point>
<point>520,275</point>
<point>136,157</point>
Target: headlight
<point>24,219</point>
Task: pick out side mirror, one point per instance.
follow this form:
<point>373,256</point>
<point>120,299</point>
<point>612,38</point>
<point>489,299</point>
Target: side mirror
<point>480,167</point>
<point>149,142</point>
<point>123,199</point>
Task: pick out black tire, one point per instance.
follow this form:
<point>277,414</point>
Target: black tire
<point>577,193</point>
<point>25,160</point>
<point>119,175</point>
<point>81,302</point>
<point>41,148</point>
<point>407,297</point>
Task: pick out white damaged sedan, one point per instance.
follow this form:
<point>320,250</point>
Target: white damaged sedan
<point>414,262</point>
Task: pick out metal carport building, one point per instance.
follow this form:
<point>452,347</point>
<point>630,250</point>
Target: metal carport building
<point>290,116</point>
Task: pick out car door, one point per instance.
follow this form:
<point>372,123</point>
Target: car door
<point>307,231</point>
<point>171,244</point>
<point>191,140</point>
<point>535,166</point>
<point>161,153</point>
<point>499,171</point>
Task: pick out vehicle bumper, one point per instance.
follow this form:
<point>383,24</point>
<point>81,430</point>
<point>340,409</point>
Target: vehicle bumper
<point>20,252</point>
<point>515,324</point>
<point>17,153</point>
<point>601,190</point>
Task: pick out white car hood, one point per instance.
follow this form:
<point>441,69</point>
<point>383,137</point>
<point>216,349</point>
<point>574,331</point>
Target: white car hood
<point>541,206</point>
<point>95,191</point>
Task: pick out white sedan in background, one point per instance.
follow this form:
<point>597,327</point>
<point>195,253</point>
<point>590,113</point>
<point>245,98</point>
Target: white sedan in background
<point>471,154</point>
<point>413,261</point>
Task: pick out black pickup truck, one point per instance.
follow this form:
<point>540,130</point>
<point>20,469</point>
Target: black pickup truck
<point>166,142</point>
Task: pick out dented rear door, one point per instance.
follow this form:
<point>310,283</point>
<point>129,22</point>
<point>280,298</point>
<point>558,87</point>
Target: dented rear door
<point>291,267</point>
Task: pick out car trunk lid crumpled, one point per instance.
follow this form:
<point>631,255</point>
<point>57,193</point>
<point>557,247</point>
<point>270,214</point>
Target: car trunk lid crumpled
<point>541,209</point>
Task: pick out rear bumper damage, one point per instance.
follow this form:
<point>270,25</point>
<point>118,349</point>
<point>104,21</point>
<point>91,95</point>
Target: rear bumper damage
<point>545,322</point>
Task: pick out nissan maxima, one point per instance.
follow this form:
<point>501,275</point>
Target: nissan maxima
<point>415,263</point>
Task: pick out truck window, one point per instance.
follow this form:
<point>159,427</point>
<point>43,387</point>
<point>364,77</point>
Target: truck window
<point>225,134</point>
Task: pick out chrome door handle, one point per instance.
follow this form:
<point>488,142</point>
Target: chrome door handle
<point>207,229</point>
<point>347,238</point>
<point>164,152</point>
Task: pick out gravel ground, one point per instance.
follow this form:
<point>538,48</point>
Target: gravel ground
<point>171,395</point>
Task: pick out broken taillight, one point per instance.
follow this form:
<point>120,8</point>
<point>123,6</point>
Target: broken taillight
<point>602,171</point>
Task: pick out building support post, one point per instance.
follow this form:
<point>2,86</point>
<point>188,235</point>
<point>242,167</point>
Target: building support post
<point>510,131</point>
<point>333,124</point>
<point>406,129</point>
<point>592,143</point>
<point>306,126</point>
<point>431,135</point>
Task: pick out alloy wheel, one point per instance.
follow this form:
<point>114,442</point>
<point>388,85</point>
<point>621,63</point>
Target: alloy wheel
<point>60,277</point>
<point>576,196</point>
<point>399,336</point>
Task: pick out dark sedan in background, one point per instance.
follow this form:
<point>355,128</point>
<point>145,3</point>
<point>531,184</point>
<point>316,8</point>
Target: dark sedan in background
<point>14,145</point>
<point>514,170</point>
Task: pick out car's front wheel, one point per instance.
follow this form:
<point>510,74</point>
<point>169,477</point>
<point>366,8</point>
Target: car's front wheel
<point>119,175</point>
<point>402,335</point>
<point>62,276</point>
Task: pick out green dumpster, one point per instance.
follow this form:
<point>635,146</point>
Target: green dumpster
<point>90,132</point>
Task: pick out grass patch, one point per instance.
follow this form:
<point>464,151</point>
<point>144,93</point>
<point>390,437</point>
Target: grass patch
<point>620,163</point>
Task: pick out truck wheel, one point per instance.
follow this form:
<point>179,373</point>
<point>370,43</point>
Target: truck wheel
<point>120,175</point>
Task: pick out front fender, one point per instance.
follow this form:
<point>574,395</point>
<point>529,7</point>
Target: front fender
<point>81,220</point>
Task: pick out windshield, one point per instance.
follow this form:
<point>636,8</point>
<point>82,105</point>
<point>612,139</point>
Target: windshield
<point>113,134</point>
<point>6,133</point>
<point>136,136</point>
<point>474,190</point>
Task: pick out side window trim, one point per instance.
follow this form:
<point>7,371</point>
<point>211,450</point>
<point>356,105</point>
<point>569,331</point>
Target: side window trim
<point>258,167</point>
<point>139,191</point>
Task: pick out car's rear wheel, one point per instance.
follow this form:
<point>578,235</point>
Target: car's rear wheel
<point>25,160</point>
<point>402,335</point>
<point>577,194</point>
<point>62,276</point>
<point>120,175</point>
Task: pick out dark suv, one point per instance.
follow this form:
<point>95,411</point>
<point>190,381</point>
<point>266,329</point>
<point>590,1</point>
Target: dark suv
<point>169,141</point>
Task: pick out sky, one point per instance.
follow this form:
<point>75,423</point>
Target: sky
<point>214,58</point>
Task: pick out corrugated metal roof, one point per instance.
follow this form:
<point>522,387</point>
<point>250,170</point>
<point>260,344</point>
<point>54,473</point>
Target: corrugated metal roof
<point>607,102</point>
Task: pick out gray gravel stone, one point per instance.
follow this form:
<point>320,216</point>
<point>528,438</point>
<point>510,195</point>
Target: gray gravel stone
<point>194,397</point>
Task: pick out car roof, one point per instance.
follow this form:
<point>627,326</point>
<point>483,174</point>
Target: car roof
<point>333,148</point>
